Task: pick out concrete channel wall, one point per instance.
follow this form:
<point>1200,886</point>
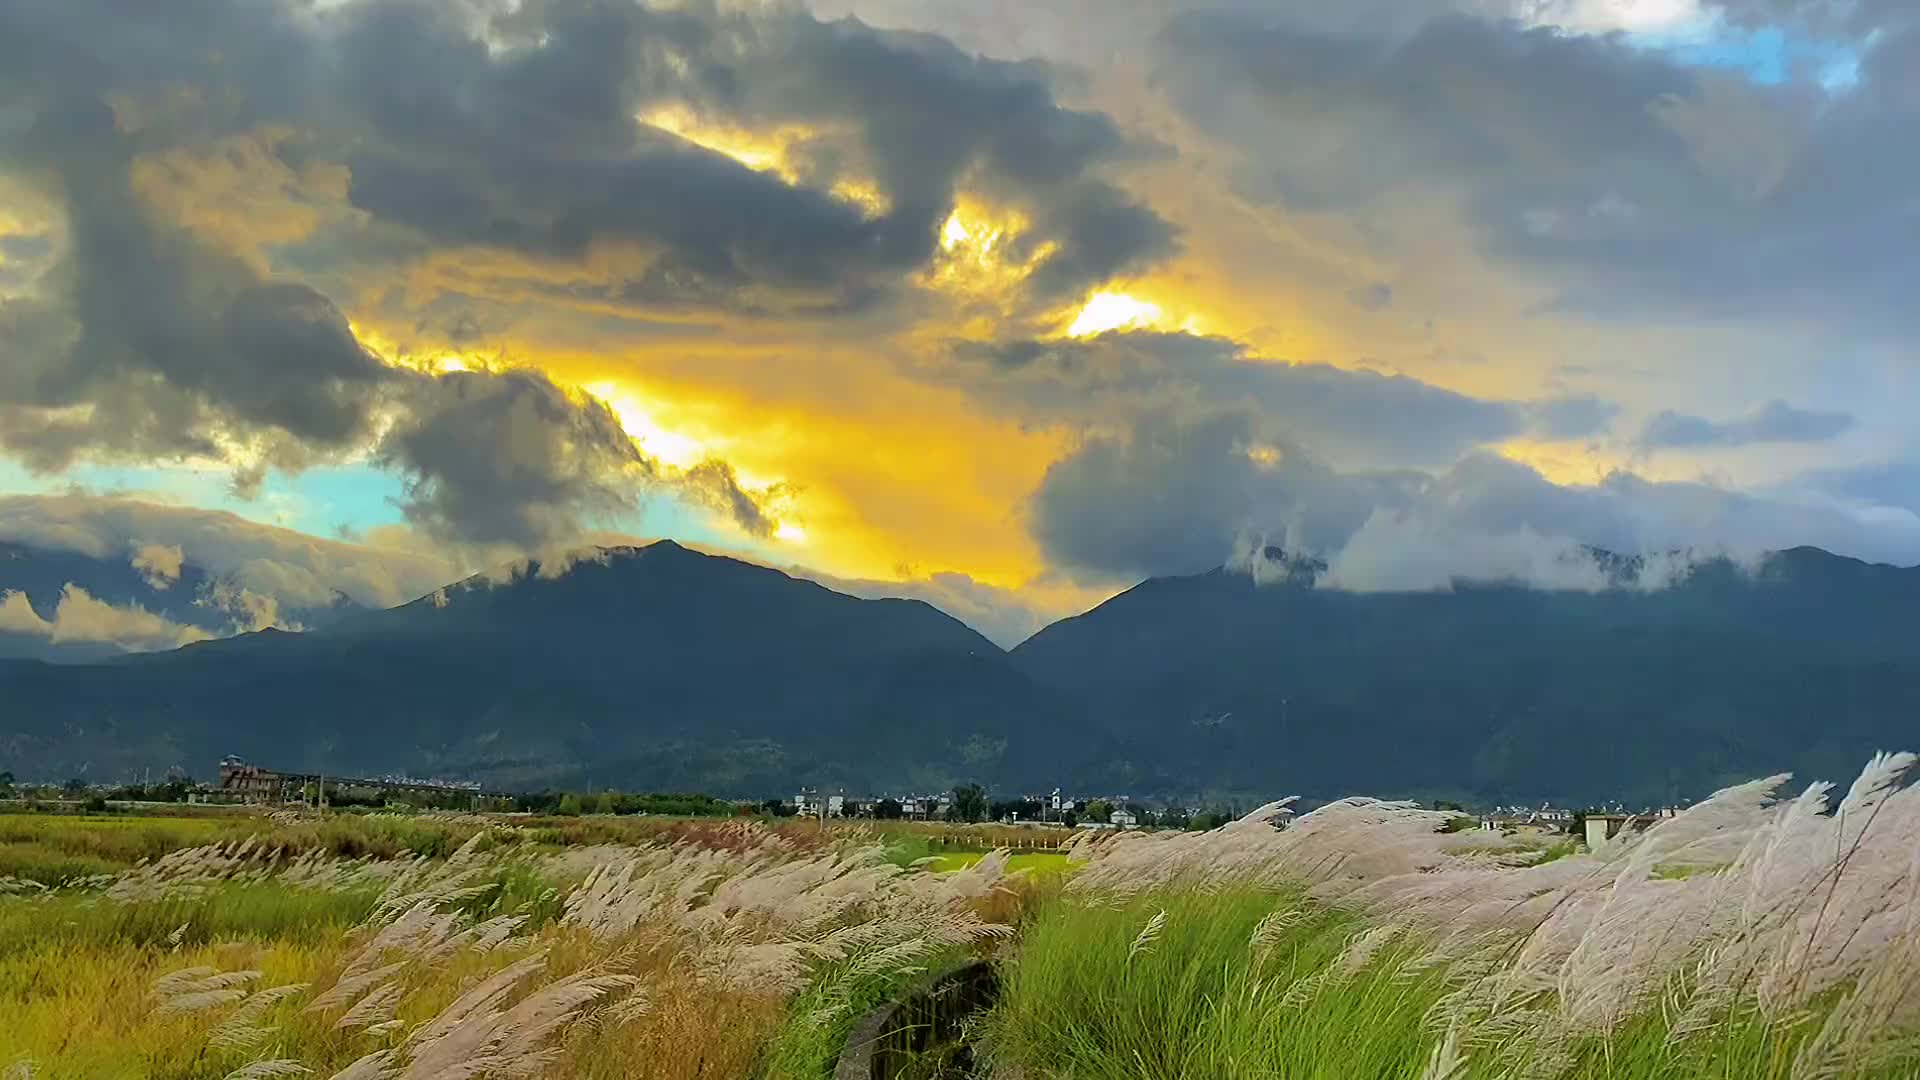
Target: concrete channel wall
<point>923,1021</point>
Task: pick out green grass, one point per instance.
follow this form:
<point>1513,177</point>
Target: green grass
<point>50,865</point>
<point>51,848</point>
<point>1040,862</point>
<point>1200,1003</point>
<point>79,922</point>
<point>48,848</point>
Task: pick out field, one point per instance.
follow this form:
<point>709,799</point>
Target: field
<point>1760,934</point>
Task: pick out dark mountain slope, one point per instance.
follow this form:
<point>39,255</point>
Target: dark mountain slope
<point>656,667</point>
<point>1809,663</point>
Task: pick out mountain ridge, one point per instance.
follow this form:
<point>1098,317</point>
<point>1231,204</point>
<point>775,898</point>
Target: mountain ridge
<point>661,665</point>
<point>656,665</point>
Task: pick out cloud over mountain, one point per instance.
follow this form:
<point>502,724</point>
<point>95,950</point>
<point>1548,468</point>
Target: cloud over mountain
<point>1776,421</point>
<point>980,298</point>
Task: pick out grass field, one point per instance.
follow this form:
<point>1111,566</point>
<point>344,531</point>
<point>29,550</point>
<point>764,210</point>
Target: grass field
<point>207,947</point>
<point>1039,862</point>
<point>1749,937</point>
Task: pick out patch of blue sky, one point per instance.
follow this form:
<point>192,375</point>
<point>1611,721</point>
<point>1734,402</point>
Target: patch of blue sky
<point>326,501</point>
<point>1768,55</point>
<point>318,501</point>
<point>345,500</point>
<point>664,516</point>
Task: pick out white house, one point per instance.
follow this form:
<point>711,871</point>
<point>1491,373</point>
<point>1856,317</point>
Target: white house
<point>1124,819</point>
<point>836,806</point>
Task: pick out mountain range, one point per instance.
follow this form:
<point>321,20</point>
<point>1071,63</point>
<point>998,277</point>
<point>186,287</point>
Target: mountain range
<point>663,668</point>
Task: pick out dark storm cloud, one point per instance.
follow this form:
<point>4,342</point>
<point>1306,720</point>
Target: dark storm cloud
<point>158,345</point>
<point>153,343</point>
<point>1355,417</point>
<point>1171,495</point>
<point>472,125</point>
<point>713,484</point>
<point>1175,496</point>
<point>1642,183</point>
<point>510,459</point>
<point>534,147</point>
<point>1775,422</point>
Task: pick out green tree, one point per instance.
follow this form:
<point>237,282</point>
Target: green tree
<point>570,805</point>
<point>1100,810</point>
<point>969,803</point>
<point>1211,819</point>
<point>888,810</point>
<point>6,785</point>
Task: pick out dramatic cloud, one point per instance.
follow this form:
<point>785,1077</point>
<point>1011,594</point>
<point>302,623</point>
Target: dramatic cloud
<point>626,143</point>
<point>1351,416</point>
<point>1174,498</point>
<point>245,609</point>
<point>1002,616</point>
<point>528,140</point>
<point>511,459</point>
<point>713,483</point>
<point>81,619</point>
<point>1171,496</point>
<point>1776,421</point>
<point>831,291</point>
<point>1644,181</point>
<point>297,570</point>
<point>159,564</point>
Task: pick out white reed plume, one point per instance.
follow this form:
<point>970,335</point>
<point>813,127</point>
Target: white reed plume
<point>348,988</point>
<point>482,1000</point>
<point>1148,934</point>
<point>512,1042</point>
<point>375,1066</point>
<point>242,1029</point>
<point>376,1008</point>
<point>200,988</point>
<point>263,1070</point>
<point>1737,899</point>
<point>1447,1061</point>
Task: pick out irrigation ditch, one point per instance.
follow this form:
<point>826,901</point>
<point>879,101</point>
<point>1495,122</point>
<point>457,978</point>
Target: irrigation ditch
<point>922,1034</point>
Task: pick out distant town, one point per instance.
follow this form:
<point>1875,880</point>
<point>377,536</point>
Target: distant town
<point>238,781</point>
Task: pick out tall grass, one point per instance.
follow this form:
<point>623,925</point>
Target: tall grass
<point>1755,935</point>
<point>1196,985</point>
<point>730,952</point>
<point>1750,936</point>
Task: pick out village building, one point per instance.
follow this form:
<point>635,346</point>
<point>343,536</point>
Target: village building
<point>242,781</point>
<point>1600,828</point>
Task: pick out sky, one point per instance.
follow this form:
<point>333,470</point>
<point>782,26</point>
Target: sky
<point>1002,304</point>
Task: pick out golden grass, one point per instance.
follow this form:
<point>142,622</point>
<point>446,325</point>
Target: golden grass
<point>676,952</point>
